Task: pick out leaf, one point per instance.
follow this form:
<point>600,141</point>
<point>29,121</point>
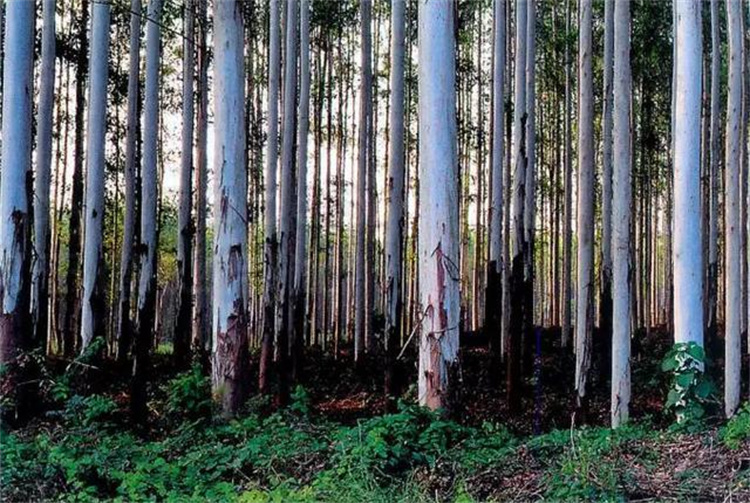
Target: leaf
<point>684,380</point>
<point>697,352</point>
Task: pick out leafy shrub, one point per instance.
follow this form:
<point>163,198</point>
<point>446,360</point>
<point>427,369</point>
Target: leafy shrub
<point>737,430</point>
<point>189,395</point>
<point>690,389</point>
<point>89,411</point>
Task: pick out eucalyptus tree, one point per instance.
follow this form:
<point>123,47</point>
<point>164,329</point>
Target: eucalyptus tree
<point>687,240</point>
<point>287,225</point>
<point>200,335</point>
<point>529,210</point>
<point>93,307</point>
<point>394,244</point>
<point>300,252</point>
<point>493,297</point>
<point>185,223</point>
<point>732,203</point>
<point>438,206</point>
<point>621,239</point>
<point>270,261</point>
<point>567,237</point>
<point>365,109</point>
<point>42,178</point>
<point>124,325</point>
<point>585,276</point>
<point>15,204</point>
<point>148,244</point>
<point>230,347</point>
<point>517,229</point>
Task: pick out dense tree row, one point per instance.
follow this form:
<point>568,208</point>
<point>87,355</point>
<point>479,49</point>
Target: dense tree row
<point>369,177</point>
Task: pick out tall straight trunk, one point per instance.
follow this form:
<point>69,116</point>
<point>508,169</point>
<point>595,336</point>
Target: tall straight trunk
<point>42,178</point>
<point>200,336</point>
<point>76,205</point>
<point>621,241</point>
<point>361,253</point>
<point>529,210</point>
<point>327,244</point>
<point>371,259</point>
<point>438,225</point>
<point>15,188</point>
<point>394,242</point>
<point>230,348</point>
<point>124,325</point>
<point>733,291</point>
<point>605,301</point>
<point>148,245</point>
<point>288,203</point>
<point>300,252</point>
<point>270,261</point>
<point>518,243</point>
<point>493,296</point>
<point>585,276</point>
<point>713,174</point>
<point>341,274</point>
<point>478,238</point>
<point>567,237</point>
<point>185,223</point>
<point>507,192</point>
<point>92,313</point>
<point>688,275</point>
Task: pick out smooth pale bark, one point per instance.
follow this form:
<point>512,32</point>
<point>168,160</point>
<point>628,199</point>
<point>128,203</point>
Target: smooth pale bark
<point>687,239</point>
<point>567,236</point>
<point>732,239</point>
<point>184,218</point>
<point>300,252</point>
<point>517,227</point>
<point>714,186</point>
<point>493,297</point>
<point>365,97</point>
<point>93,307</point>
<point>229,358</point>
<point>42,178</point>
<point>621,187</point>
<point>201,338</point>
<point>605,302</point>
<point>438,206</point>
<point>149,182</point>
<point>394,240</point>
<point>585,276</point>
<point>270,261</point>
<point>128,231</point>
<point>15,177</point>
<point>288,192</point>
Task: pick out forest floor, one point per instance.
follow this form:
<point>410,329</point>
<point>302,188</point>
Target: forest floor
<point>335,443</point>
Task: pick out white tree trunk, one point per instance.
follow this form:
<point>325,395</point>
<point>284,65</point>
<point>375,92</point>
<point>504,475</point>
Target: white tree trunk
<point>714,156</point>
<point>360,322</point>
<point>93,301</point>
<point>585,277</point>
<point>15,222</point>
<point>288,193</point>
<point>230,359</point>
<point>40,288</point>
<point>395,225</point>
<point>567,237</point>
<point>438,192</point>
<point>733,290</point>
<point>621,186</point>
<point>687,239</point>
<point>519,114</point>
<point>128,236</point>
<point>149,181</point>
<point>185,223</point>
<point>270,261</point>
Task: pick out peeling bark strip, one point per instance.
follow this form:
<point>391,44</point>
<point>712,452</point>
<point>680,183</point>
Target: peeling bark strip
<point>230,368</point>
<point>15,221</point>
<point>438,206</point>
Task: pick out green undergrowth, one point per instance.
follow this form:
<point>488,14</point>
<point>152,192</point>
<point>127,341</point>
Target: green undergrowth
<point>85,452</point>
